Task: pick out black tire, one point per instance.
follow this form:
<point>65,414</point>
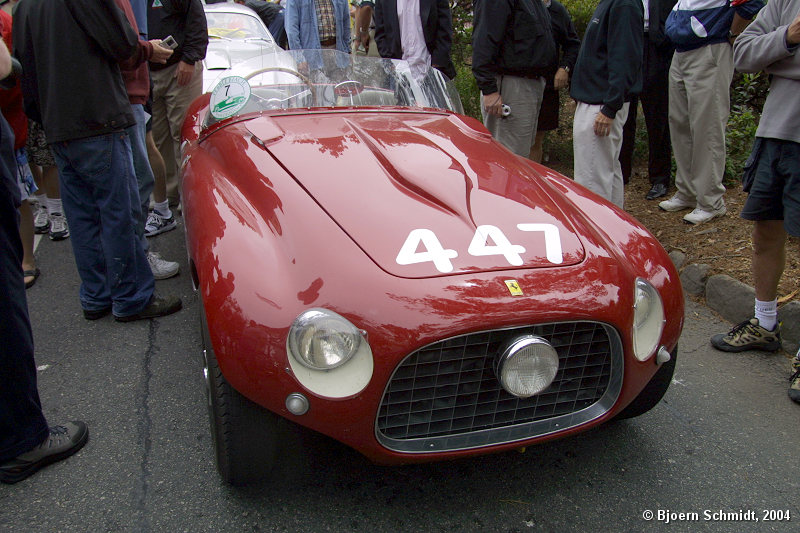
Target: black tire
<point>245,435</point>
<point>653,391</point>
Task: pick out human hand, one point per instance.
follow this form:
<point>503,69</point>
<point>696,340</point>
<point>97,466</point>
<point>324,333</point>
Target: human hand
<point>160,53</point>
<point>793,32</point>
<point>561,79</point>
<point>602,125</point>
<point>493,103</point>
<point>184,73</point>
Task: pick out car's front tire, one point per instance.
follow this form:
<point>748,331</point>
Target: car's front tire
<point>653,391</point>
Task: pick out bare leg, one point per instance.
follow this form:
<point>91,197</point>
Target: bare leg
<point>51,186</point>
<point>536,149</point>
<point>26,234</point>
<point>769,257</point>
<point>159,169</point>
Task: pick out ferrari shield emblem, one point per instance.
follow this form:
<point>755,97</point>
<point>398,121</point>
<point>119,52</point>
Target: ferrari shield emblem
<point>513,287</point>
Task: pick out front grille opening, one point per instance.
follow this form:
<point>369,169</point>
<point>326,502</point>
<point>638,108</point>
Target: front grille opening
<point>449,388</point>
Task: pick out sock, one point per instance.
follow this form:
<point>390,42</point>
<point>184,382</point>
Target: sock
<point>767,314</point>
<point>162,208</point>
<point>40,199</point>
<point>54,206</point>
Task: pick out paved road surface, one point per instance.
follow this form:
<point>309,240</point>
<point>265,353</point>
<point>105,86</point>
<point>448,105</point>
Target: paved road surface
<point>726,438</point>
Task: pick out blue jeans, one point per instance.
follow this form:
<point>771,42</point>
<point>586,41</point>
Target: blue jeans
<point>101,202</point>
<point>142,168</point>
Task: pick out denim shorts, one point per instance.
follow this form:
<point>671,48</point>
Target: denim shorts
<point>774,183</point>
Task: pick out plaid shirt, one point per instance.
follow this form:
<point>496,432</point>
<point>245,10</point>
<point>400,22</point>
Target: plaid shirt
<point>326,20</point>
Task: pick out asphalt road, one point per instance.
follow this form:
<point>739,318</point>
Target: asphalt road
<point>725,438</point>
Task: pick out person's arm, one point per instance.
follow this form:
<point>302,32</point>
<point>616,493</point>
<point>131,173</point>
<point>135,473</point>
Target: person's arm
<point>440,55</point>
<point>769,45</point>
<point>363,18</point>
<point>625,45</point>
<point>491,18</point>
<point>107,25</point>
<point>291,21</point>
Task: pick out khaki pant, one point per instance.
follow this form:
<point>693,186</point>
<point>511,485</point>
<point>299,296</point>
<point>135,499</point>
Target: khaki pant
<point>699,105</point>
<point>597,165</point>
<point>517,131</point>
<point>170,103</point>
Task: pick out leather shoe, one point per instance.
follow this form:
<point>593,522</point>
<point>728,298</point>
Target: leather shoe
<point>96,314</point>
<point>656,191</point>
<point>158,306</point>
<point>61,442</point>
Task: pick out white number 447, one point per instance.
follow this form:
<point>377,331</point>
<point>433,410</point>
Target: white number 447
<point>423,246</point>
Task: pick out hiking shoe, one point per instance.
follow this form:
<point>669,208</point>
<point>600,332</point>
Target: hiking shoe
<point>676,203</point>
<point>41,220</point>
<point>794,381</point>
<point>748,336</point>
<point>162,269</point>
<point>158,306</point>
<point>700,215</point>
<point>157,223</point>
<point>59,230</point>
<point>62,442</point>
<point>659,190</point>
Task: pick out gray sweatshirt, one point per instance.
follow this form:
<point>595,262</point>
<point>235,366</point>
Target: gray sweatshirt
<point>762,46</point>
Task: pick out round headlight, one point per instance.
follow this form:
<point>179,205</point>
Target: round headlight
<point>320,339</point>
<point>648,320</point>
<point>527,366</point>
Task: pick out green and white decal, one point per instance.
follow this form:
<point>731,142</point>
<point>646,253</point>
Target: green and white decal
<point>229,97</point>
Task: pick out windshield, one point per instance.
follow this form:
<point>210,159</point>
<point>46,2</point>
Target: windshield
<point>227,26</point>
<point>280,80</point>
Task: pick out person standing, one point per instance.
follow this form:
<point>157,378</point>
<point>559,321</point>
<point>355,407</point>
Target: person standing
<point>417,31</point>
<point>512,50</point>
<point>177,82</point>
<point>607,75</point>
<point>26,442</point>
<point>317,24</point>
<point>700,77</point>
<point>772,175</point>
<point>71,83</point>
<point>655,102</point>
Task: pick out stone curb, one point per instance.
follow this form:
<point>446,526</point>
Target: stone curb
<point>732,299</point>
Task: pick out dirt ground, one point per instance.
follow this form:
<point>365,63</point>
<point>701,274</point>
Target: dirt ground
<point>724,244</point>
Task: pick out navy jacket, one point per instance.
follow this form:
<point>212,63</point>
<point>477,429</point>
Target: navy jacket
<point>437,27</point>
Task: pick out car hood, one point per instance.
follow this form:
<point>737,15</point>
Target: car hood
<point>424,194</point>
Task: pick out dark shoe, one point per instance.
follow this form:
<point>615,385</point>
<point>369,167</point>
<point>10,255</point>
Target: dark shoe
<point>794,381</point>
<point>96,314</point>
<point>62,442</point>
<point>656,191</point>
<point>158,306</point>
<point>31,273</point>
<point>748,335</point>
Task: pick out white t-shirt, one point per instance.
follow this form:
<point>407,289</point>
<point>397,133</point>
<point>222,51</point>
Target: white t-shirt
<point>411,37</point>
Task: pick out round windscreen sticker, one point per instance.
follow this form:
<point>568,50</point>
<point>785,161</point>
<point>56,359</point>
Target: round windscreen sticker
<point>229,97</point>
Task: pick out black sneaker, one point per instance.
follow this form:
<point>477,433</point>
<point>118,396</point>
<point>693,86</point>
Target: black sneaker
<point>748,335</point>
<point>794,381</point>
<point>96,314</point>
<point>158,306</point>
<point>62,442</point>
<point>659,190</point>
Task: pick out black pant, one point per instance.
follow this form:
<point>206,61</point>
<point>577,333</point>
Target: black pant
<point>655,105</point>
<point>22,424</point>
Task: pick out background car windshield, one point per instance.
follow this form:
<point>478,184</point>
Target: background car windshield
<point>306,79</point>
<point>235,26</point>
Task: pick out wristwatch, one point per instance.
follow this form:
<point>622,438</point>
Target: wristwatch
<point>566,68</point>
<point>732,35</point>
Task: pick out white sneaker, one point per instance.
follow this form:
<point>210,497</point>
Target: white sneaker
<point>700,215</point>
<point>41,220</point>
<point>676,203</point>
<point>59,230</point>
<point>161,268</point>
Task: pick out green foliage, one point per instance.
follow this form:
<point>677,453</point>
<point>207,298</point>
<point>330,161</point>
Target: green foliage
<point>468,90</point>
<point>748,92</point>
<point>581,12</point>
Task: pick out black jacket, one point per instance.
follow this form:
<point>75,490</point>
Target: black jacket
<point>437,27</point>
<point>185,20</point>
<point>658,12</point>
<point>609,67</point>
<point>566,38</point>
<point>70,52</point>
<point>510,37</point>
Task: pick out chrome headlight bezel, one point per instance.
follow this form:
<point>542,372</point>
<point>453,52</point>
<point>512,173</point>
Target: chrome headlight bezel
<point>648,320</point>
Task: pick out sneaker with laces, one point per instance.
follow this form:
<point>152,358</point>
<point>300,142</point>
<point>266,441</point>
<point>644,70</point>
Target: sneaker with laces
<point>748,335</point>
<point>700,215</point>
<point>61,442</point>
<point>676,203</point>
<point>157,223</point>
<point>794,381</point>
<point>59,230</point>
<point>158,306</point>
<point>41,220</point>
<point>162,269</point>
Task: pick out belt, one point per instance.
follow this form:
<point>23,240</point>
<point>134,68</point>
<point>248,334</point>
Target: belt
<point>328,42</point>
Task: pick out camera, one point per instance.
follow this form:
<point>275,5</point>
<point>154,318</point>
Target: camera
<point>505,110</point>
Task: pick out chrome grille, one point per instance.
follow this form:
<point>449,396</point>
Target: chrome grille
<point>446,396</point>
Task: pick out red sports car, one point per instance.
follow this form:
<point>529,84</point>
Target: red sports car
<point>374,266</point>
